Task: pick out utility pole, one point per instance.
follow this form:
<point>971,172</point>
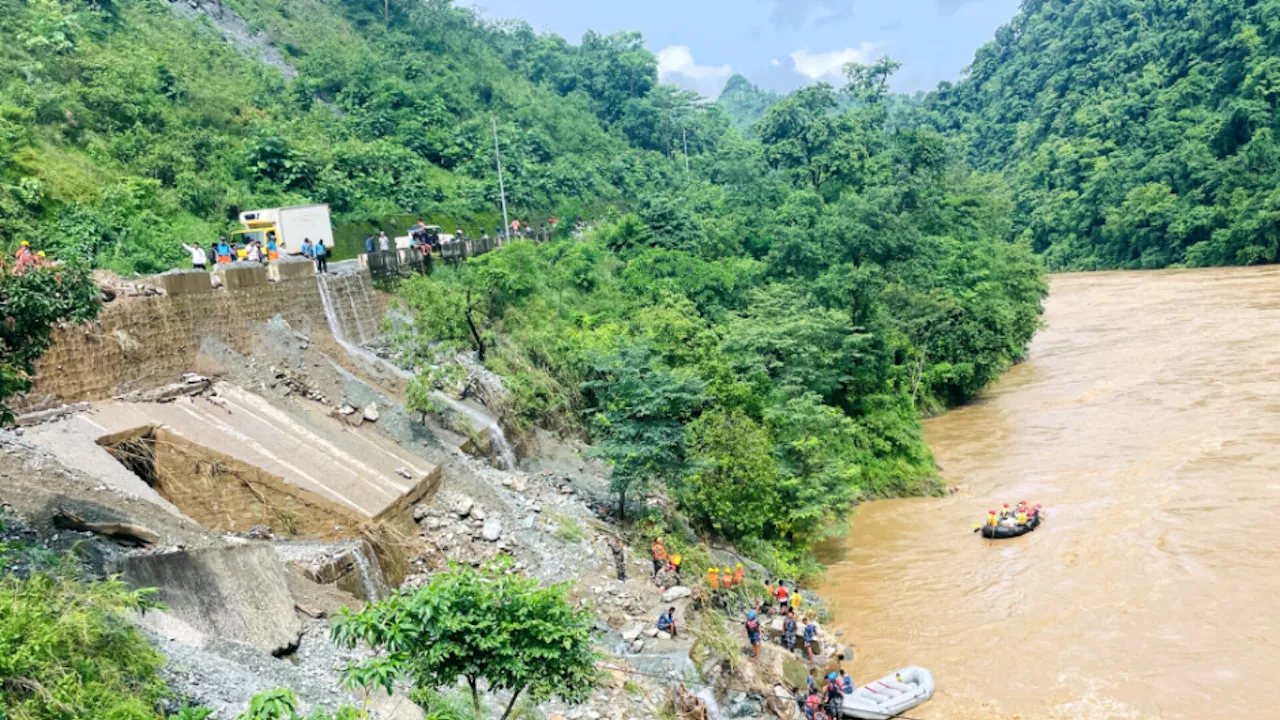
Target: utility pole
<point>502,191</point>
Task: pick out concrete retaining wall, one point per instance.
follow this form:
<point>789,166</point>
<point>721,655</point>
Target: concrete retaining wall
<point>146,342</point>
<point>238,593</point>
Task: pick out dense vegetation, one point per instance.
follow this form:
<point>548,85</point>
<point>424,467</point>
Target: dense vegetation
<point>1134,134</point>
<point>32,302</point>
<point>762,338</point>
<point>125,129</point>
<point>66,647</point>
<point>757,325</point>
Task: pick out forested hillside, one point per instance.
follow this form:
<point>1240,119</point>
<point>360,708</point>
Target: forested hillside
<point>757,326</point>
<point>125,129</point>
<point>1134,134</point>
<point>761,340</point>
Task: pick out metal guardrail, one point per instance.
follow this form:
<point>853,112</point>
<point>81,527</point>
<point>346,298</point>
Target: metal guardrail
<point>409,261</point>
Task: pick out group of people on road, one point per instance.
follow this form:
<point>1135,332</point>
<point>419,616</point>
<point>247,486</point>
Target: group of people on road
<point>226,252</point>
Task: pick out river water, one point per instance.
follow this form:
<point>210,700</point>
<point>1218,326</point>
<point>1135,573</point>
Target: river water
<point>1147,421</point>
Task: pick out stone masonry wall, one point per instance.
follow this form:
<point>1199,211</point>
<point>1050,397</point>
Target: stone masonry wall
<point>145,342</point>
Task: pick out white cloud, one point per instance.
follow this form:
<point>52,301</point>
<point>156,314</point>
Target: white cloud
<point>676,65</point>
<point>775,62</point>
<point>830,65</point>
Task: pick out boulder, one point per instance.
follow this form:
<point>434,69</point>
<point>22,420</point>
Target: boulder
<point>664,635</point>
<point>419,512</point>
<point>492,530</point>
<point>463,508</point>
<point>637,646</point>
<point>478,514</point>
<point>651,632</point>
<point>371,412</point>
<point>676,593</point>
<point>632,634</point>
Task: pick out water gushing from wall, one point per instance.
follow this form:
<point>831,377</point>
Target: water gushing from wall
<point>332,287</point>
<point>371,575</point>
<point>504,455</point>
<point>338,329</point>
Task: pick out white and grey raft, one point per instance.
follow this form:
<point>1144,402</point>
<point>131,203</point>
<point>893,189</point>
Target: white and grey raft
<point>1000,532</point>
<point>891,695</point>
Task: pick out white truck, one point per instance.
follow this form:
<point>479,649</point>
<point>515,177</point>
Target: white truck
<point>289,226</point>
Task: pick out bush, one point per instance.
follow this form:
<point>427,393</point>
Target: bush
<point>68,651</point>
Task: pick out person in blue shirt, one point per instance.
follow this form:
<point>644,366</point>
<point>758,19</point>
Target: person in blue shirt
<point>789,631</point>
<point>753,633</point>
<point>846,682</point>
<point>308,251</point>
<point>222,252</point>
<point>667,621</point>
<point>370,244</point>
<point>321,254</point>
<point>810,632</point>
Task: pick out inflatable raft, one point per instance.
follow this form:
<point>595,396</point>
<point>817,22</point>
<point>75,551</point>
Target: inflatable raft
<point>1000,532</point>
<point>891,695</point>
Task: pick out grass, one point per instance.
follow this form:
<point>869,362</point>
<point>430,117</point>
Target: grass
<point>66,650</point>
<point>567,529</point>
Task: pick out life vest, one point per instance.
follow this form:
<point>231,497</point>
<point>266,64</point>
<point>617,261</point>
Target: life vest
<point>737,576</point>
<point>659,552</point>
<point>726,578</point>
<point>1022,518</point>
<point>753,627</point>
<point>713,577</point>
<point>782,595</point>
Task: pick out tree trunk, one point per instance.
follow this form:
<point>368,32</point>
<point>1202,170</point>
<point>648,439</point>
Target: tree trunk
<point>475,697</point>
<point>511,705</point>
<point>917,376</point>
<point>622,505</point>
<point>471,325</point>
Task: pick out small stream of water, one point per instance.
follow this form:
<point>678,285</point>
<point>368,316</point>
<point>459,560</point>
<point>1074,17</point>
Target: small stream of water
<point>478,420</point>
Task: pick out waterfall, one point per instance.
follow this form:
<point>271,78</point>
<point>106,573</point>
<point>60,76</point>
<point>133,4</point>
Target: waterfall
<point>505,455</point>
<point>708,698</point>
<point>339,334</point>
<point>371,575</point>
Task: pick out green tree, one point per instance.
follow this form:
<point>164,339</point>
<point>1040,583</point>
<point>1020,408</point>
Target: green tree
<point>637,408</point>
<point>734,490</point>
<point>870,83</point>
<point>801,134</point>
<point>484,626</point>
<point>32,303</point>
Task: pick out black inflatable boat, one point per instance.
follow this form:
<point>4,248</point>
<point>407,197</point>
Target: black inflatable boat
<point>1000,532</point>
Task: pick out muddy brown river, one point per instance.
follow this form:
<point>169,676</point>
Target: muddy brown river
<point>1147,421</point>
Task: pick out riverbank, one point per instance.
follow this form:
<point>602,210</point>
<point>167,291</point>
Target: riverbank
<point>1141,420</point>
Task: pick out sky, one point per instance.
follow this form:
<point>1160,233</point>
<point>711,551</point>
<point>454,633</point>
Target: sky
<point>779,44</point>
